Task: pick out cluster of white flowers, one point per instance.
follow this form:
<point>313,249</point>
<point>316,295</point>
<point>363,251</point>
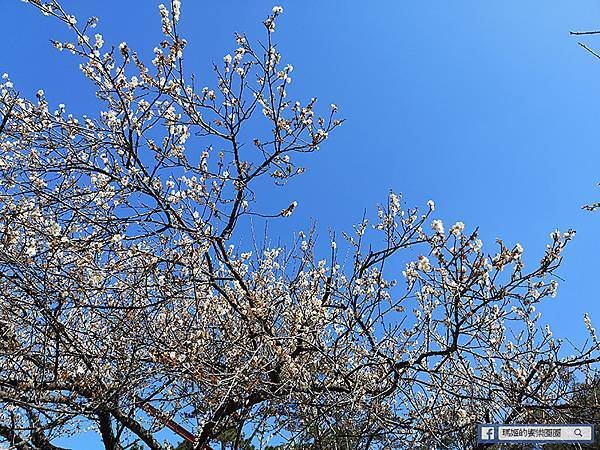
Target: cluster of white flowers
<point>124,49</point>
<point>270,22</point>
<point>423,264</point>
<point>457,228</point>
<point>167,26</point>
<point>71,20</point>
<point>437,226</point>
<point>176,10</point>
<point>588,324</point>
<point>507,256</point>
<point>394,203</point>
<point>99,41</point>
<point>518,249</point>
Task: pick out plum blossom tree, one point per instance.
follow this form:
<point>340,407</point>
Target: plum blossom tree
<point>126,308</point>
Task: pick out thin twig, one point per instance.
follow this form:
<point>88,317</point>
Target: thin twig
<point>581,33</point>
<point>589,50</point>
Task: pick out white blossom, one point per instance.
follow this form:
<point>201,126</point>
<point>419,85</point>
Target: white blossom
<point>423,264</point>
<point>457,228</point>
<point>438,226</point>
<point>176,10</point>
<point>99,40</point>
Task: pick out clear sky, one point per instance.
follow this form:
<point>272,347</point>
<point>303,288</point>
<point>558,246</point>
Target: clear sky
<point>488,107</point>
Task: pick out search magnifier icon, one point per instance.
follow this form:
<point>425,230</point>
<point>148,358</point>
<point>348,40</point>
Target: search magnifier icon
<point>577,432</point>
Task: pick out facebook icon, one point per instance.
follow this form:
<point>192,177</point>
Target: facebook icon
<point>487,434</point>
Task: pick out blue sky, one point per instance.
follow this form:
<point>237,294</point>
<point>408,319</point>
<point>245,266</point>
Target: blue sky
<point>489,108</point>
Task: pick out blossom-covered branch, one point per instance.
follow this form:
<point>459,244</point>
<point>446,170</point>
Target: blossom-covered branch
<point>126,307</point>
